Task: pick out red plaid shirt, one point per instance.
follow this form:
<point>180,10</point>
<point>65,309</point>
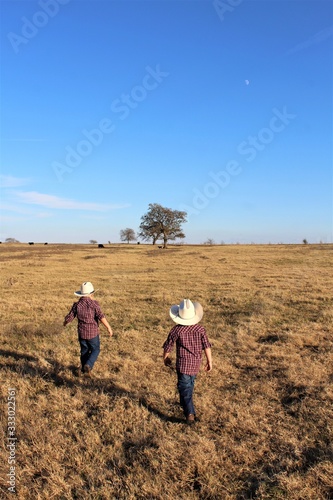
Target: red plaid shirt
<point>88,313</point>
<point>190,342</point>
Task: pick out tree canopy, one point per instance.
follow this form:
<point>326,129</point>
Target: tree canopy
<point>127,234</point>
<point>161,223</point>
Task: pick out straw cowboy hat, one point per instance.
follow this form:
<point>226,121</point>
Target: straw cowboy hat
<point>86,289</point>
<point>186,313</point>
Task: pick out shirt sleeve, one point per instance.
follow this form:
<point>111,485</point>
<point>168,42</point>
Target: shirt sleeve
<point>72,313</point>
<point>204,339</point>
<point>98,312</point>
<point>172,337</point>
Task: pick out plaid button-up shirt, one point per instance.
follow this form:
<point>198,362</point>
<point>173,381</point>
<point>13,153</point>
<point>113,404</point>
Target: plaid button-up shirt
<point>88,313</point>
<point>190,342</point>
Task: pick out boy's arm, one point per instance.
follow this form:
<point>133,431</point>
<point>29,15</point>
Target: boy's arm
<point>70,316</point>
<point>100,317</point>
<point>166,359</point>
<point>105,322</point>
<point>168,346</point>
<point>66,320</point>
<point>209,365</point>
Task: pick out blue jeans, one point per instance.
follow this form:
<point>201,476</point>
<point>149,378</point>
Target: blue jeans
<point>185,388</point>
<point>90,349</point>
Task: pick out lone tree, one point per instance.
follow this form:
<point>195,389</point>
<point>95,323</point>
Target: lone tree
<point>209,241</point>
<point>161,223</point>
<point>11,240</point>
<point>127,235</point>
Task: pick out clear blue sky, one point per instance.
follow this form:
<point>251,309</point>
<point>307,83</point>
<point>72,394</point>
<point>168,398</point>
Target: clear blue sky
<point>222,109</point>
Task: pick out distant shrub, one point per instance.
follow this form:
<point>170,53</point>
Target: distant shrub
<point>11,240</point>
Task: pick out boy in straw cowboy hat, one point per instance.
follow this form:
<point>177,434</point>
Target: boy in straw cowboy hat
<point>88,313</point>
<point>191,339</point>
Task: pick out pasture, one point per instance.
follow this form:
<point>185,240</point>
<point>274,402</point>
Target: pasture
<point>266,413</point>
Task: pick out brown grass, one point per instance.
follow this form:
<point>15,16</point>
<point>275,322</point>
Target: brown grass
<point>266,408</point>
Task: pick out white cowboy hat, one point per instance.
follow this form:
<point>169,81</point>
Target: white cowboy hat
<point>86,289</point>
<point>186,313</point>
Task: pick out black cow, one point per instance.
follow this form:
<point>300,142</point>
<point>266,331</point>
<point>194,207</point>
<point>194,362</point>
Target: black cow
<point>100,245</point>
<point>31,243</point>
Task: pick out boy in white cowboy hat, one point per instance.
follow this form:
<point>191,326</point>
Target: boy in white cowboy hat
<point>191,339</point>
<point>88,313</point>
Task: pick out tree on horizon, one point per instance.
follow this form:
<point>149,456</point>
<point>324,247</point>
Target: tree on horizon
<point>127,234</point>
<point>161,223</point>
<point>11,240</point>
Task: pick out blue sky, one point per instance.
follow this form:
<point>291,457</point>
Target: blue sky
<point>220,108</point>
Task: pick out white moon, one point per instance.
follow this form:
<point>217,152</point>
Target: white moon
<point>247,82</point>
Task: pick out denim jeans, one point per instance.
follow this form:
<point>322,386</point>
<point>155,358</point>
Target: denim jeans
<point>90,349</point>
<point>185,387</point>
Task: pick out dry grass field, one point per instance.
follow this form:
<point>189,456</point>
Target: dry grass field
<point>266,413</point>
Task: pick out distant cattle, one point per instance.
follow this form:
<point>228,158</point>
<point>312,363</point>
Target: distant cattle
<point>31,243</point>
<point>138,243</point>
<point>45,243</point>
<point>100,245</point>
<point>160,247</point>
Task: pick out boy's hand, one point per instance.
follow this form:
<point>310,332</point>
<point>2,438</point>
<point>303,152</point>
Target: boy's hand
<point>110,332</point>
<point>167,361</point>
<point>208,367</point>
